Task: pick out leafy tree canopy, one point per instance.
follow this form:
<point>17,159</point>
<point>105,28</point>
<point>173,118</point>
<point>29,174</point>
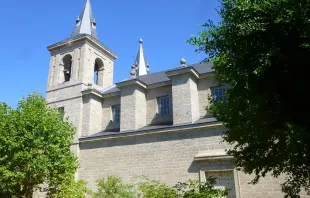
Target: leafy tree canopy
<point>34,148</point>
<point>261,49</point>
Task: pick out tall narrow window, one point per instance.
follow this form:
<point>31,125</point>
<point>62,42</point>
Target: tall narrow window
<point>163,104</point>
<point>98,72</point>
<point>61,111</point>
<point>218,93</point>
<point>67,61</point>
<point>116,111</point>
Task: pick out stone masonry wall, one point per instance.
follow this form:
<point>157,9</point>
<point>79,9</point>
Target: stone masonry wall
<point>92,115</point>
<point>168,157</point>
<point>203,93</point>
<point>193,89</point>
<point>127,109</point>
<point>70,98</point>
<point>140,108</point>
<point>184,99</point>
<point>133,108</point>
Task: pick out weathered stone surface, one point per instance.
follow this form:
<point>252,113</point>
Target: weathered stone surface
<point>185,99</point>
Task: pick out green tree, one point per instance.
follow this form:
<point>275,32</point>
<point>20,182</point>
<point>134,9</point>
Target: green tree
<point>261,49</point>
<point>113,187</point>
<point>34,148</point>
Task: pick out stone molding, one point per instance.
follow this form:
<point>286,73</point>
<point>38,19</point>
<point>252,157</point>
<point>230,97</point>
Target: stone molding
<point>87,39</point>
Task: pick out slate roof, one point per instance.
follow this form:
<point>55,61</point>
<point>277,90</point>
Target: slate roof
<point>159,77</point>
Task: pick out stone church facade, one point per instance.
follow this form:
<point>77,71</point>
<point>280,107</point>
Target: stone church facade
<point>152,124</point>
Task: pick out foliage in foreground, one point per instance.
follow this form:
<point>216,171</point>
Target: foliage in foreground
<point>196,189</point>
<point>72,189</point>
<point>34,148</point>
<point>261,49</point>
<point>154,188</point>
<point>113,187</point>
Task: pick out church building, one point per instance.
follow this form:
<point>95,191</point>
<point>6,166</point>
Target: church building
<point>151,124</point>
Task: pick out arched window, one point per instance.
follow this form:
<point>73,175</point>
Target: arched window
<point>98,72</point>
<point>67,61</point>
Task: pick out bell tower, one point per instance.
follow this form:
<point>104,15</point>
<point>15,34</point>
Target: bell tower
<point>77,63</point>
<point>81,57</point>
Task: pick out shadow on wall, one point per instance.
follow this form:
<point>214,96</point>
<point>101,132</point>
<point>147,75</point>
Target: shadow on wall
<point>162,120</point>
<point>194,167</point>
<point>112,127</point>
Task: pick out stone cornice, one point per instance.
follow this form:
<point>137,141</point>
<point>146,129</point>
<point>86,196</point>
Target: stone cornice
<point>64,85</point>
<point>92,91</point>
<point>183,70</point>
<point>212,155</point>
<point>161,84</point>
<point>84,38</point>
<point>113,94</point>
<point>207,75</point>
<point>131,82</point>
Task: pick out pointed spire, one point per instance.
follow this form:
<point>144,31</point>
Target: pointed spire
<point>85,23</point>
<point>141,63</point>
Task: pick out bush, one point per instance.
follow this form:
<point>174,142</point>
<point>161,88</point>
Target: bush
<point>156,189</point>
<point>72,189</point>
<point>113,187</point>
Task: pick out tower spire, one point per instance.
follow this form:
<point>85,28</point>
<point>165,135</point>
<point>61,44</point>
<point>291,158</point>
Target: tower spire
<point>141,63</point>
<point>85,24</point>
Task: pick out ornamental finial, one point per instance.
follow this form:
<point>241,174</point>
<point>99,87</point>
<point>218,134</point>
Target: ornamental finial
<point>183,62</point>
<point>133,71</point>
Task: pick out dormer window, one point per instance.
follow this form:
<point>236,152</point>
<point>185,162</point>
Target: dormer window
<point>163,104</point>
<point>116,112</point>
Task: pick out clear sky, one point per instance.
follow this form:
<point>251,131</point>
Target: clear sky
<point>28,27</point>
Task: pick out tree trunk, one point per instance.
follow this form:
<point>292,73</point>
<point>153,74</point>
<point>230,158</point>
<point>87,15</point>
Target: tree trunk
<point>29,192</point>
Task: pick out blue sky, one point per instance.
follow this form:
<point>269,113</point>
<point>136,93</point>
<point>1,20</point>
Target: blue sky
<point>28,27</point>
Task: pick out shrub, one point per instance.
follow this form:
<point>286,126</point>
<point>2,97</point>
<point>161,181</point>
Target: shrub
<point>156,189</point>
<point>113,187</point>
